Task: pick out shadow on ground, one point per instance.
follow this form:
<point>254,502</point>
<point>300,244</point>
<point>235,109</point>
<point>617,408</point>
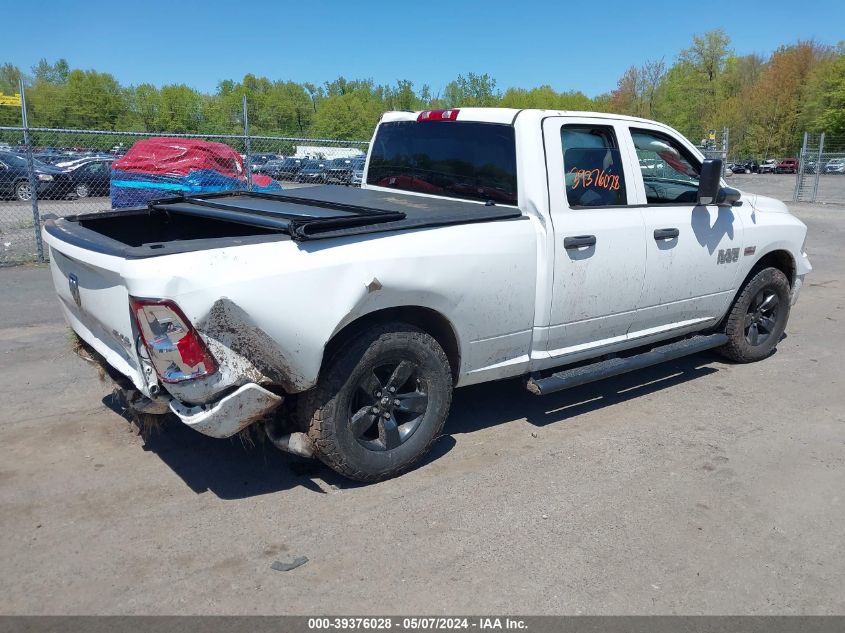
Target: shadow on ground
<point>231,469</point>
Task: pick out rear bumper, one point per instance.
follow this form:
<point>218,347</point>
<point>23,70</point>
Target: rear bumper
<point>230,414</point>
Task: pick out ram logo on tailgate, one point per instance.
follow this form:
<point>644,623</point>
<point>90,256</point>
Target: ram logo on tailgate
<point>73,282</point>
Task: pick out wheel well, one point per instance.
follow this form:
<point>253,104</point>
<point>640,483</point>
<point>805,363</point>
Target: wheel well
<point>426,319</point>
<point>781,260</point>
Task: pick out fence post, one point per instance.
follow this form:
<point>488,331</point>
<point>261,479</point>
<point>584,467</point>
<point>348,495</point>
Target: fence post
<point>247,149</point>
<point>799,176</point>
<point>818,167</point>
<point>33,181</point>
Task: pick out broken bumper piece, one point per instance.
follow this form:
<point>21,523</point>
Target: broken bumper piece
<point>230,414</point>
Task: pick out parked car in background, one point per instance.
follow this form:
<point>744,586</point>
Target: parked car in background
<point>339,171</point>
<point>835,166</point>
<point>259,160</point>
<point>313,171</point>
<point>810,167</point>
<point>286,169</point>
<point>72,161</point>
<point>270,166</point>
<point>768,166</point>
<point>88,178</point>
<point>745,166</point>
<point>357,172</point>
<point>52,159</point>
<point>787,166</point>
<point>14,178</point>
<point>649,165</point>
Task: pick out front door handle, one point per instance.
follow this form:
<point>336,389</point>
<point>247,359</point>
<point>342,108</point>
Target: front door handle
<point>666,234</point>
<point>579,241</point>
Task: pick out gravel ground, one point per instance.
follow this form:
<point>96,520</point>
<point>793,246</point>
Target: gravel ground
<point>693,487</point>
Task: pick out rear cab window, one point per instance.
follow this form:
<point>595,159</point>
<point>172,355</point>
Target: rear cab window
<point>457,159</point>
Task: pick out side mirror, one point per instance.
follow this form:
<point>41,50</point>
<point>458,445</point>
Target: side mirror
<point>709,181</point>
<point>729,196</point>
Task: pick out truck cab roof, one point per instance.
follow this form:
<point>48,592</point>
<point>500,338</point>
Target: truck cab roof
<point>507,115</point>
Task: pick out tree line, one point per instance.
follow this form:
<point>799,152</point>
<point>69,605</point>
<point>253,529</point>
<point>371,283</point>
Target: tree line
<point>767,102</point>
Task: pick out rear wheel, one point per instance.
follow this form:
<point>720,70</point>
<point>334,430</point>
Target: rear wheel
<point>758,317</point>
<point>82,190</point>
<point>380,402</point>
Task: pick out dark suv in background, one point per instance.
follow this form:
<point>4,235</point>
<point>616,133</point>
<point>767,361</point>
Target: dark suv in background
<point>286,169</point>
<point>749,166</point>
<point>313,171</point>
<point>339,171</point>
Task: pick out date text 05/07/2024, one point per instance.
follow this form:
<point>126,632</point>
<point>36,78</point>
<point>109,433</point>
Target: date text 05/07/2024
<point>417,623</point>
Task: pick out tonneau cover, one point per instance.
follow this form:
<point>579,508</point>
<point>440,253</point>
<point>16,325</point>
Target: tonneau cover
<point>327,211</point>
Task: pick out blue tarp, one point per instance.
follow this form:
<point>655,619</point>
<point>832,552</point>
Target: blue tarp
<point>133,189</point>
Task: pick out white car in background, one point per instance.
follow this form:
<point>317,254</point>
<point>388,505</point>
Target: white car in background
<point>768,166</point>
<point>835,166</point>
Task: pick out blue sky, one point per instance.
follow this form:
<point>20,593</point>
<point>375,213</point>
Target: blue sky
<point>581,45</point>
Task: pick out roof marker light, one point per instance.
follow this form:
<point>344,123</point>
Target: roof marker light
<point>438,115</point>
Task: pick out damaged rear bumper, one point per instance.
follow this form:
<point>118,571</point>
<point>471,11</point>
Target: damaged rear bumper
<point>230,414</point>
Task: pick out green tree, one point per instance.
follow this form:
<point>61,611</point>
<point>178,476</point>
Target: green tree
<point>56,73</point>
<point>472,90</point>
<point>824,108</point>
<point>351,115</point>
<point>688,97</point>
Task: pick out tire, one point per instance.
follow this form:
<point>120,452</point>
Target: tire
<point>23,192</point>
<point>758,317</point>
<point>367,437</point>
<point>82,190</point>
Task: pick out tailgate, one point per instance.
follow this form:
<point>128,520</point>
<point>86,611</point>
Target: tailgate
<point>95,302</point>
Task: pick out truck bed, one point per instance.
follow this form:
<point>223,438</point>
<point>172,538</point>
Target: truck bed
<point>189,223</point>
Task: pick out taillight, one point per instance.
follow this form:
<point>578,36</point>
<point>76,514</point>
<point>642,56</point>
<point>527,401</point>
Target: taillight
<point>438,115</point>
<point>176,350</point>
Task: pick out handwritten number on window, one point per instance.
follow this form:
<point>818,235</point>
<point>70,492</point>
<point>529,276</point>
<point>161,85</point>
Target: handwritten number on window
<point>594,178</point>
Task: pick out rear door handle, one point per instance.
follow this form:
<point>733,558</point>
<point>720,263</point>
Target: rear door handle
<point>666,234</point>
<point>579,241</point>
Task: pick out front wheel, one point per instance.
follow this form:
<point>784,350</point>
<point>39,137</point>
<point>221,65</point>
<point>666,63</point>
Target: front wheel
<point>758,317</point>
<point>82,190</point>
<point>380,402</point>
<point>23,191</point>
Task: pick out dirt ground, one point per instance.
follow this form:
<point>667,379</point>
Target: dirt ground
<point>694,487</point>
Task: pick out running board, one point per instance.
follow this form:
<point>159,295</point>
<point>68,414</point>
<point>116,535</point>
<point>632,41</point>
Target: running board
<point>577,376</point>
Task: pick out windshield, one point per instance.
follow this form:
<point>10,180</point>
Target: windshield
<point>313,164</point>
<point>13,160</point>
<point>465,159</point>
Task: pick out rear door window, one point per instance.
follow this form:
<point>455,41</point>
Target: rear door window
<point>593,166</point>
<point>457,159</point>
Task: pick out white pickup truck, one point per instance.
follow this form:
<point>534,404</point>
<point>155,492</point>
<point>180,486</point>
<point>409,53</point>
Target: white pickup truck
<point>484,244</point>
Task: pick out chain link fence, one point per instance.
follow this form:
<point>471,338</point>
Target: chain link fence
<point>62,172</point>
<point>717,145</point>
<point>821,173</point>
